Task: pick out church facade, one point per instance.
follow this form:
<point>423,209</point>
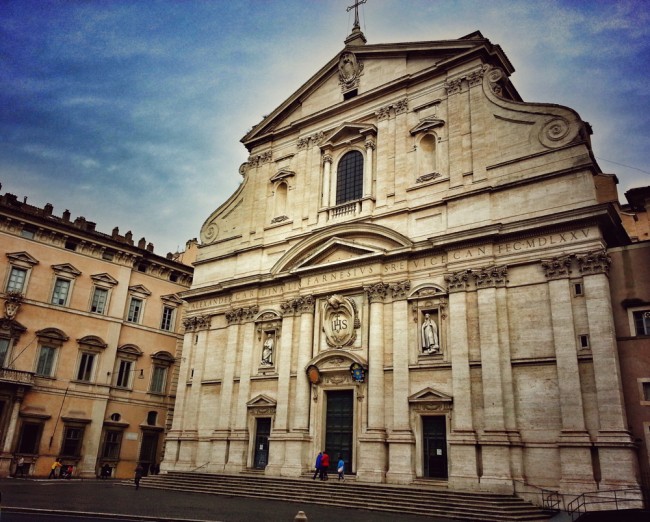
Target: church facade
<point>413,274</point>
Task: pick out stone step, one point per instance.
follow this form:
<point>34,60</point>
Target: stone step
<point>415,500</point>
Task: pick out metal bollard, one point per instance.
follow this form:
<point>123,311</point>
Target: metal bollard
<point>300,517</point>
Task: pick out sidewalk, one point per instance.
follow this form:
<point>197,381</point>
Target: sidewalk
<point>117,497</point>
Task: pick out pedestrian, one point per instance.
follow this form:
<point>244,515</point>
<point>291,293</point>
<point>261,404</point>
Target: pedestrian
<point>20,470</point>
<point>106,471</point>
<point>340,467</point>
<point>139,471</point>
<point>56,465</point>
<point>318,461</point>
<point>324,465</point>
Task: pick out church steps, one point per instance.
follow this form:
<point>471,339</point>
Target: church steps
<point>428,501</point>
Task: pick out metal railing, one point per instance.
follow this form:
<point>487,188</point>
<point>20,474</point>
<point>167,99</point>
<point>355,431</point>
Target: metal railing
<point>615,499</point>
<point>547,499</point>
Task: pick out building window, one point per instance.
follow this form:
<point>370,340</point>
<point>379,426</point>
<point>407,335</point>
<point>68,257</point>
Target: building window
<point>583,341</point>
<point>135,309</point>
<point>167,322</point>
<point>17,278</point>
<point>158,379</point>
<point>349,177</point>
<point>29,438</point>
<point>124,374</point>
<point>152,417</point>
<point>86,363</point>
<point>112,444</point>
<point>641,322</point>
<point>45,363</point>
<point>61,291</point>
<point>4,350</point>
<point>72,437</point>
<point>646,391</point>
<point>100,298</point>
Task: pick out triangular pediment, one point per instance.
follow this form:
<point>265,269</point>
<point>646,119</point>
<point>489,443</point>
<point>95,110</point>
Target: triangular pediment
<point>337,251</point>
<point>105,279</point>
<point>66,269</point>
<point>172,299</point>
<point>398,62</point>
<point>430,395</point>
<point>261,401</point>
<point>282,174</point>
<point>348,133</point>
<point>427,124</point>
<point>139,289</point>
<point>22,258</point>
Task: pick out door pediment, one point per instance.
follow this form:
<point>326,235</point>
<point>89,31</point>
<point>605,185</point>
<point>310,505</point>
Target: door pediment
<point>431,399</point>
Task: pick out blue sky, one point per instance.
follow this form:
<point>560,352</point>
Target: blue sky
<point>129,113</point>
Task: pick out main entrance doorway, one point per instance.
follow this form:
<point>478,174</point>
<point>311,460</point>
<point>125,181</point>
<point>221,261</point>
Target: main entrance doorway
<point>434,434</point>
<point>262,433</point>
<point>148,450</point>
<point>339,424</point>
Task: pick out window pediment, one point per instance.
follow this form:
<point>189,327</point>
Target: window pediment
<point>92,341</point>
<point>347,133</point>
<point>139,290</point>
<point>52,334</point>
<point>129,349</point>
<point>104,279</point>
<point>66,270</point>
<point>22,259</point>
<point>172,299</point>
<point>163,357</point>
<point>427,124</point>
<point>282,174</point>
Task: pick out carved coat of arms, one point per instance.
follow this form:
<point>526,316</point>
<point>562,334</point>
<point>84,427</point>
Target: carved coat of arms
<point>349,70</point>
<point>341,321</point>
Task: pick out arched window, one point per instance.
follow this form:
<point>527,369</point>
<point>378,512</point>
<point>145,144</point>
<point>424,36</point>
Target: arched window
<point>349,177</point>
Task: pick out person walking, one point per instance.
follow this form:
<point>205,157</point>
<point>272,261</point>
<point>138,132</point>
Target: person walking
<point>317,465</point>
<point>139,471</point>
<point>340,467</point>
<point>324,465</point>
<point>56,465</point>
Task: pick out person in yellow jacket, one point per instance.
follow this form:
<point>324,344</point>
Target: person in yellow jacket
<point>56,465</point>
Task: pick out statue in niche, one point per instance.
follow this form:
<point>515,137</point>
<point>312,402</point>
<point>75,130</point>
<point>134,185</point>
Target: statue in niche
<point>267,350</point>
<point>430,342</point>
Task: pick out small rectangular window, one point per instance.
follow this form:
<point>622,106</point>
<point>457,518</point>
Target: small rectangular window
<point>578,289</point>
<point>642,322</point>
<point>158,379</point>
<point>583,341</point>
<point>45,365</point>
<point>4,349</point>
<point>123,374</point>
<point>100,297</point>
<point>646,391</point>
<point>167,318</point>
<point>61,289</point>
<point>86,367</point>
<point>27,233</point>
<point>17,278</point>
<point>72,438</point>
<point>135,307</point>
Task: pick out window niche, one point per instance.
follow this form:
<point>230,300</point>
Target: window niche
<point>429,312</point>
<point>427,148</point>
<point>280,190</point>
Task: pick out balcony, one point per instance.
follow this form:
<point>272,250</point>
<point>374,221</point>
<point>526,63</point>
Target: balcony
<point>9,376</point>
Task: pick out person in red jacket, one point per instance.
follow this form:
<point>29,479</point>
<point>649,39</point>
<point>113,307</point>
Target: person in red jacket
<point>324,465</point>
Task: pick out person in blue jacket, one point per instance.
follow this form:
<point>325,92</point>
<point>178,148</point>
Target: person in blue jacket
<point>318,461</point>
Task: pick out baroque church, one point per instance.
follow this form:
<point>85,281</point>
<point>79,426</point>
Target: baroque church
<point>413,275</point>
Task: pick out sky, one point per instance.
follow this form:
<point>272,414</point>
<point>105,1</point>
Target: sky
<point>129,113</point>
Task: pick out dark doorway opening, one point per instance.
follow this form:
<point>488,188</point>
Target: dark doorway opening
<point>339,425</point>
<point>262,433</point>
<point>434,435</point>
<point>148,450</point>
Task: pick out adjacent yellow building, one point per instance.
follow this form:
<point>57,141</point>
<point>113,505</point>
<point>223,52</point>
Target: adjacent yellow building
<point>89,344</point>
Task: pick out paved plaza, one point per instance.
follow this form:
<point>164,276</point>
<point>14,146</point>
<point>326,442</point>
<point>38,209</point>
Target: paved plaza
<point>115,498</point>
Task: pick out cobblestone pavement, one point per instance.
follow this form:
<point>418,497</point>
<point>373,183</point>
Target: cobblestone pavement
<point>113,497</point>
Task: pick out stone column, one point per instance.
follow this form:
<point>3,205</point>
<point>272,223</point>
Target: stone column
<point>372,444</point>
<point>277,440</point>
<point>463,469</point>
<point>327,175</point>
<point>618,465</point>
<point>494,440</point>
<point>401,441</point>
<point>574,441</point>
<point>239,435</point>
